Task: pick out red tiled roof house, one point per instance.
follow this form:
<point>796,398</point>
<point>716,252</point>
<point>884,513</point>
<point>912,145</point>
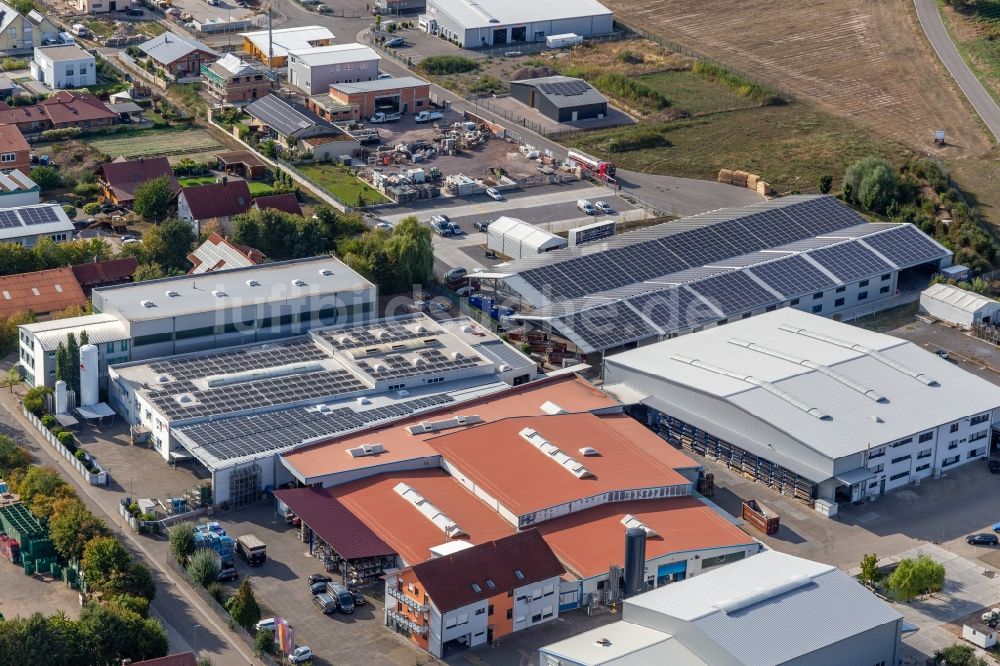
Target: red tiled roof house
<point>120,178</point>
<point>214,202</point>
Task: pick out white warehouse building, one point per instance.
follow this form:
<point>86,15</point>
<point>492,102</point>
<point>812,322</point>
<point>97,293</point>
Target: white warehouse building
<point>483,23</point>
<point>813,408</point>
<point>516,239</point>
<point>958,306</point>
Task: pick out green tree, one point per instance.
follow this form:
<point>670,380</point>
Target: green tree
<point>112,634</point>
<point>46,177</point>
<point>869,569</point>
<point>411,251</point>
<point>825,183</point>
<point>104,558</point>
<point>263,642</point>
<point>39,482</point>
<point>870,182</point>
<point>182,542</point>
<point>15,258</point>
<point>916,576</point>
<point>38,639</point>
<point>138,605</point>
<point>136,581</point>
<point>243,606</point>
<point>62,363</point>
<point>84,337</point>
<point>154,198</point>
<point>203,568</point>
<point>23,6</point>
<point>73,364</point>
<point>169,244</point>
<point>13,456</point>
<point>73,528</point>
<point>310,238</point>
<point>148,271</point>
<point>12,378</point>
<point>35,399</point>
<point>959,655</point>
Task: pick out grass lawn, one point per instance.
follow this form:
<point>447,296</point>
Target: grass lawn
<point>790,147</point>
<point>99,28</point>
<point>150,28</point>
<point>259,189</point>
<point>168,141</point>
<point>341,183</point>
<point>195,180</point>
<point>694,94</point>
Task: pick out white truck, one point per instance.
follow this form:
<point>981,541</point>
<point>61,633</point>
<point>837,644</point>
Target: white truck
<point>380,117</point>
<point>427,116</point>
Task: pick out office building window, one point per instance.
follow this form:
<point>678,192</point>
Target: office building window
<point>837,303</point>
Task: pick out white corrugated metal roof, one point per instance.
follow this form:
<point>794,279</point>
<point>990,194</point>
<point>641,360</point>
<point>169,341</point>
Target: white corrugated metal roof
<point>770,608</point>
<point>623,643</point>
<point>288,39</point>
<point>335,54</point>
<point>101,328</point>
<point>488,13</point>
<point>956,297</point>
<point>817,380</point>
<point>526,234</point>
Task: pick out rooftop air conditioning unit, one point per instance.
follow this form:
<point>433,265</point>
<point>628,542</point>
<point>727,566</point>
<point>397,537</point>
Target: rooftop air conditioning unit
<point>345,340</point>
<point>588,451</point>
<point>253,283</point>
<point>419,361</point>
<point>364,401</point>
<point>171,293</point>
<point>504,367</point>
<point>299,283</point>
<point>148,304</point>
<point>466,329</point>
<point>325,271</point>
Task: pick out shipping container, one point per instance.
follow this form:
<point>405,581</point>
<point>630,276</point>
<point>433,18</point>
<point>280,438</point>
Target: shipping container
<point>761,517</point>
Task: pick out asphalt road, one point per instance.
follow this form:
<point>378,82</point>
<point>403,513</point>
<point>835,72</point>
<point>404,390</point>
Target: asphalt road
<point>937,34</point>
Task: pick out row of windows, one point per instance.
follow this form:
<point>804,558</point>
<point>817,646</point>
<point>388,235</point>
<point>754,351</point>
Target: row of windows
<point>709,562</point>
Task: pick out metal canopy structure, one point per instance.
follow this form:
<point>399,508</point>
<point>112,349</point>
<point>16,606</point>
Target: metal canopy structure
<point>680,275</point>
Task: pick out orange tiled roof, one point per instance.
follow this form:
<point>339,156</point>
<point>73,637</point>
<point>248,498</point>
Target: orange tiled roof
<point>41,292</point>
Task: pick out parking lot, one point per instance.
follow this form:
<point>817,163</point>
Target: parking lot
<point>24,595</point>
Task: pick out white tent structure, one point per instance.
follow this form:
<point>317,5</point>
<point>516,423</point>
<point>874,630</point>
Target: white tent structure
<point>958,306</point>
<point>518,239</point>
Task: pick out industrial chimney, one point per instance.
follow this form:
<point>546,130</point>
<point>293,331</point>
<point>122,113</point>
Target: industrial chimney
<point>635,561</point>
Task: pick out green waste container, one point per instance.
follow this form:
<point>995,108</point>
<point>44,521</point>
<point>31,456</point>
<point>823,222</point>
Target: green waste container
<point>55,569</point>
<point>29,568</point>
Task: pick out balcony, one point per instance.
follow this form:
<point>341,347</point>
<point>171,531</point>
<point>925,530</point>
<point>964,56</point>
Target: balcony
<point>413,605</point>
<point>405,622</point>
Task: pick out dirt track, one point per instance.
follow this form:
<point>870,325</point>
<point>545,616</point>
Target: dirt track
<point>866,60</point>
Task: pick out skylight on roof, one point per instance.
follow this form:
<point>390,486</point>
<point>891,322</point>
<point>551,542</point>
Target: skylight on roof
<point>476,588</point>
<point>490,584</point>
<point>518,574</point>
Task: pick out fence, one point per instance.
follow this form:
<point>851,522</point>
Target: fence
<point>101,478</point>
<point>219,611</point>
<point>488,103</point>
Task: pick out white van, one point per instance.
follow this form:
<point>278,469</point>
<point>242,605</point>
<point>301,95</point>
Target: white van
<point>586,206</point>
<point>80,30</point>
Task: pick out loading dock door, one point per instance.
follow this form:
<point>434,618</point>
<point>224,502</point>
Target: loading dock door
<point>499,36</point>
<point>387,104</point>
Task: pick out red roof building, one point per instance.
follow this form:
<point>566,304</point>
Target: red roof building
<point>120,178</point>
<point>64,109</point>
<point>475,595</point>
<point>214,202</point>
<point>105,273</point>
<point>179,659</point>
<point>15,153</point>
<point>286,203</point>
<point>218,253</point>
<point>41,292</point>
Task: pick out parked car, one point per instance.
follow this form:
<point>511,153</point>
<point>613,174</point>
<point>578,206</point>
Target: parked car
<point>394,42</point>
<point>345,600</point>
<point>319,578</point>
<point>324,9</point>
<point>126,237</point>
<point>129,241</point>
<point>384,76</point>
<point>79,30</point>
<point>318,588</point>
<point>604,207</point>
<point>227,574</point>
<point>982,539</point>
<point>441,225</point>
<point>482,225</point>
<point>266,623</point>
<point>494,193</point>
<point>586,206</point>
<point>384,226</point>
<point>359,598</point>
<point>427,116</point>
<point>995,466</point>
<point>455,274</point>
<point>942,353</point>
<point>300,654</point>
<point>324,601</point>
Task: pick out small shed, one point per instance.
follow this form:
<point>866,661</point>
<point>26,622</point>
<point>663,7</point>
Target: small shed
<point>517,239</point>
<point>980,634</point>
<point>958,306</point>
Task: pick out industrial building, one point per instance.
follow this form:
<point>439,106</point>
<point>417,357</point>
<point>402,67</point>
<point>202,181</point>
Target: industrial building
<point>315,69</point>
<point>561,98</point>
<point>195,312</point>
<point>37,344</point>
<point>767,610</point>
<point>517,239</point>
<point>816,409</point>
<point>500,22</point>
<point>806,252</point>
<point>234,410</point>
<point>357,101</point>
<point>958,306</point>
<point>26,225</point>
<point>556,457</point>
<point>272,47</point>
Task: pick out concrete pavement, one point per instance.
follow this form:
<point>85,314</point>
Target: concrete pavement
<point>937,35</point>
<point>498,208</point>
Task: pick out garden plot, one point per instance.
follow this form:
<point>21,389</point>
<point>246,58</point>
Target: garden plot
<point>147,143</point>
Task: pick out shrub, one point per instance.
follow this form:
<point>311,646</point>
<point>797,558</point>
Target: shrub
<point>263,642</point>
<point>10,64</point>
<point>49,421</point>
<point>61,134</point>
<point>66,438</point>
<point>447,64</point>
<point>87,190</point>
<point>630,90</point>
<point>825,183</point>
<point>92,208</point>
<point>34,399</point>
<point>203,568</point>
<point>215,591</point>
<point>739,84</point>
<point>69,210</point>
<point>630,57</point>
<point>80,455</point>
<point>485,84</point>
<point>46,177</point>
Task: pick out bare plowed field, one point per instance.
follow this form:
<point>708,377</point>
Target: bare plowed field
<point>860,59</point>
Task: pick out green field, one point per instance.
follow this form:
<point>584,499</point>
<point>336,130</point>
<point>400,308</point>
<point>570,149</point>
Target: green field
<point>191,181</point>
<point>341,183</point>
<point>789,146</point>
<point>691,93</point>
<point>142,143</point>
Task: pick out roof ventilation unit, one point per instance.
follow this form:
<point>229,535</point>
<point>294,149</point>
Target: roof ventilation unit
<point>402,393</point>
<point>631,521</point>
<point>364,401</point>
<point>457,356</point>
<point>366,450</point>
<point>466,328</point>
<point>253,283</point>
<point>431,512</point>
<point>345,340</point>
<point>163,379</point>
<point>420,329</point>
<point>218,292</point>
<point>326,271</point>
<point>419,361</point>
<point>760,595</point>
<point>299,283</point>
<point>379,334</point>
<point>573,466</point>
<point>171,293</point>
<point>148,304</point>
<point>588,451</point>
<point>444,424</point>
<point>503,367</point>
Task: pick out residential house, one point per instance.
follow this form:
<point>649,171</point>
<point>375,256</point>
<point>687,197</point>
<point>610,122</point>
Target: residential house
<point>15,153</point>
<point>473,595</point>
<point>218,253</point>
<point>316,68</point>
<point>120,178</point>
<point>16,189</point>
<point>105,273</point>
<point>19,33</point>
<point>289,124</point>
<point>214,202</point>
<point>231,80</point>
<point>286,203</point>
<point>64,109</point>
<point>64,66</point>
<point>179,56</point>
<point>41,292</point>
<point>272,48</point>
<point>242,163</point>
<point>99,6</point>
<point>26,225</point>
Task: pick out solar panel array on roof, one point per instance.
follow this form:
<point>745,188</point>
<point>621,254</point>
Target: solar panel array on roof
<point>395,366</point>
<point>734,292</point>
<point>371,335</point>
<point>610,326</point>
<point>568,88</point>
<point>258,433</point>
<point>793,276</point>
<point>849,261</point>
<point>904,246</point>
<point>9,219</point>
<point>241,360</point>
<point>42,215</point>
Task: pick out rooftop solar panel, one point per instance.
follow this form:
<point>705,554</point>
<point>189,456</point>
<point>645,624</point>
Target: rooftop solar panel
<point>38,215</point>
<point>9,219</point>
<point>849,261</point>
<point>905,246</point>
<point>734,293</point>
<point>610,326</point>
<point>673,310</point>
<point>793,276</point>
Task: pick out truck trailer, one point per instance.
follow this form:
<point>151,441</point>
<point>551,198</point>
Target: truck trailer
<point>251,549</point>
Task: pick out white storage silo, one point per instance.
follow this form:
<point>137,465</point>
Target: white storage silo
<point>88,376</point>
<point>61,398</point>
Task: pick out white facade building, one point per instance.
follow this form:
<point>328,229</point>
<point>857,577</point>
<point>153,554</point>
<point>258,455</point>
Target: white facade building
<point>766,610</point>
<point>814,408</point>
<point>517,239</point>
<point>37,345</point>
<point>315,69</point>
<point>26,225</point>
<point>64,66</point>
<point>16,189</point>
<point>500,22</point>
<point>958,306</point>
